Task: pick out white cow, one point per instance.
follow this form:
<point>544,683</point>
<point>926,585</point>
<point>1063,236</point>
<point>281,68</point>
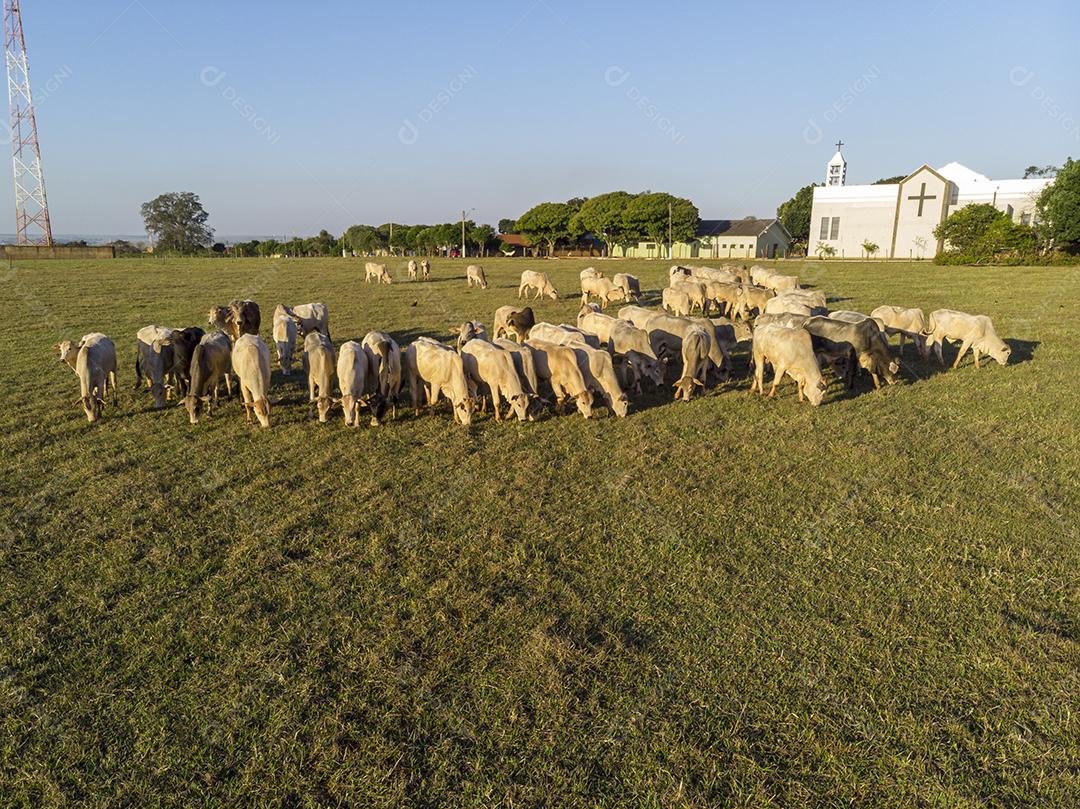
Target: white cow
<point>975,332</point>
<point>352,374</point>
<point>530,279</point>
<point>319,367</point>
<point>493,366</point>
<point>284,337</point>
<point>436,369</point>
<point>474,275</point>
<point>384,372</point>
<point>908,323</point>
<point>251,365</point>
<point>790,352</point>
<point>95,365</point>
<point>377,272</point>
<point>309,317</point>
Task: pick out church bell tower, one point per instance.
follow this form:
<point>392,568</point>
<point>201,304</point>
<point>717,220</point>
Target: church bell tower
<point>837,171</point>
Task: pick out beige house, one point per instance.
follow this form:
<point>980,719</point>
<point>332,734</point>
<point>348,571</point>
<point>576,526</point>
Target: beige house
<point>900,217</point>
<point>721,239</point>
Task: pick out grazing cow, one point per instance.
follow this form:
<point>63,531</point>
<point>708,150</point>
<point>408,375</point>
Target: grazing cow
<point>474,274</point>
<point>153,361</point>
<point>790,352</point>
<point>352,374</point>
<point>558,366</point>
<point>209,365</point>
<point>510,321</point>
<point>695,362</point>
<point>865,339</point>
<point>591,321</point>
<point>752,299</point>
<point>309,317</point>
<point>711,274</point>
<point>676,301</point>
<point>377,272</point>
<point>602,288</point>
<point>524,364</point>
<point>780,283</point>
<point>284,337</point>
<point>975,332</point>
<point>640,360</point>
<point>563,334</point>
<point>784,304</point>
<point>384,372</point>
<point>726,295</point>
<point>695,291</point>
<point>666,335</point>
<point>471,330</point>
<point>95,366</point>
<point>492,366</point>
<point>598,371</point>
<point>425,269</point>
<point>758,274</point>
<point>251,366</point>
<point>530,279</point>
<point>412,272</point>
<point>629,284</point>
<point>639,315</point>
<point>319,367</point>
<point>909,323</point>
<point>590,272</point>
<point>439,369</point>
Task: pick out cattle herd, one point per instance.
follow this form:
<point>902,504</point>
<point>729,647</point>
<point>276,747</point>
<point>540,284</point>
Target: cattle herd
<point>531,365</point>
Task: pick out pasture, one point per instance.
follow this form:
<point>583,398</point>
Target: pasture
<point>726,601</point>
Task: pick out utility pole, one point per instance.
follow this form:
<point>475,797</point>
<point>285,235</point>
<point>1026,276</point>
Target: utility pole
<point>390,240</point>
<point>463,233</point>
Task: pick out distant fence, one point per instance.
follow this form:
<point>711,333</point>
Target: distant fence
<point>34,251</point>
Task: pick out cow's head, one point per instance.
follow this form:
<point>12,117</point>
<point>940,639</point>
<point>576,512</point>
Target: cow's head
<point>654,370</point>
<point>218,317</point>
<point>463,410</point>
<point>551,292</point>
<point>194,406</point>
<point>323,405</point>
<point>92,405</point>
<point>262,411</point>
<point>815,391</point>
<point>684,388</point>
<point>620,405</point>
<point>519,403</point>
<point>68,351</point>
<point>1000,353</point>
<point>584,403</point>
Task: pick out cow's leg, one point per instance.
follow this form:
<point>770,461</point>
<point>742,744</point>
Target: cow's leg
<point>964,346</point>
<point>248,400</point>
<point>937,341</point>
<point>877,383</point>
<point>975,352</point>
<point>901,352</point>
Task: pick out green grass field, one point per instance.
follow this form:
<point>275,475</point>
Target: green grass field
<point>727,601</point>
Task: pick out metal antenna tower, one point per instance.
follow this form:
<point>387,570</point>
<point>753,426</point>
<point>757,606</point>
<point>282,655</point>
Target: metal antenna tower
<point>32,224</point>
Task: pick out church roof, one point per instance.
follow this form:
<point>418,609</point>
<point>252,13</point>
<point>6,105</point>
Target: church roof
<point>962,175</point>
<point>733,227</point>
<point>837,158</point>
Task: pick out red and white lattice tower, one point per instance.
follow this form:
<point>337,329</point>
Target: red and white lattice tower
<point>31,207</point>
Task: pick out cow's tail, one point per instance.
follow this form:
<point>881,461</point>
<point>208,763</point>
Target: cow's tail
<point>384,367</point>
<point>931,325</point>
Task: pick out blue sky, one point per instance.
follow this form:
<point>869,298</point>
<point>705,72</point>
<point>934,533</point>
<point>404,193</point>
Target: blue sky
<point>287,117</point>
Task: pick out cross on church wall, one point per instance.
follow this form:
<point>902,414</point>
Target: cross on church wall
<point>922,196</point>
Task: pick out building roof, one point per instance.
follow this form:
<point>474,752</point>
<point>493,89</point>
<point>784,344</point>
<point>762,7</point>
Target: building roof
<point>514,239</point>
<point>969,183</point>
<point>733,227</point>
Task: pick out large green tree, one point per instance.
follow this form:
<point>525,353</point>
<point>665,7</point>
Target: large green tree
<point>546,223</point>
<point>178,222</point>
<point>482,236</point>
<point>364,239</point>
<point>602,216</point>
<point>967,226</point>
<point>1059,208</point>
<point>645,218</point>
<point>794,214</point>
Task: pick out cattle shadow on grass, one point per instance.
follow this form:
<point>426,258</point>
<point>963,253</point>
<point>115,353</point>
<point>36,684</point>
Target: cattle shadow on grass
<point>1022,350</point>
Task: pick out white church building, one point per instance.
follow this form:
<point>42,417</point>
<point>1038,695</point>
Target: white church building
<point>900,218</point>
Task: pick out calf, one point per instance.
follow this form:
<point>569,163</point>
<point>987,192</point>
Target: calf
<point>598,371</point>
<point>319,368</point>
<point>530,279</point>
<point>474,274</point>
<point>493,367</point>
<point>183,342</point>
<point>510,321</point>
<point>238,317</point>
<point>425,269</point>
<point>864,339</point>
<point>284,338</point>
<point>558,366</point>
<point>352,374</point>
<point>752,299</point>
<point>695,362</point>
<point>676,301</point>
<point>629,284</point>
<point>909,323</point>
<point>209,364</point>
<point>695,292</point>
<point>384,372</point>
<point>439,369</point>
<point>95,365</point>
<point>376,272</point>
<point>975,332</point>
<point>603,289</point>
<point>412,268</point>
<point>251,365</point>
<point>790,352</point>
<point>726,295</point>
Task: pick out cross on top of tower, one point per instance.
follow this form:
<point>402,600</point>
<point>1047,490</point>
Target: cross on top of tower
<point>839,143</point>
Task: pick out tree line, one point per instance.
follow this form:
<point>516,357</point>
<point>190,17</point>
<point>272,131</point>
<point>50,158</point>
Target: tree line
<point>178,223</point>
